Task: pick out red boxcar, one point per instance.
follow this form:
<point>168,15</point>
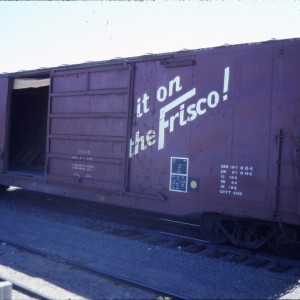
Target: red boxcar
<point>210,134</point>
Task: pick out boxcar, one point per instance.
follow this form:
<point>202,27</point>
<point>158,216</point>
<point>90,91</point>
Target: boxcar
<point>209,134</point>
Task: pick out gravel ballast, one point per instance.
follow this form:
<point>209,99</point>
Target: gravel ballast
<point>62,234</point>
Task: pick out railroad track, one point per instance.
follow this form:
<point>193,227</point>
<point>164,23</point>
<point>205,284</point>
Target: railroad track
<point>251,258</point>
<point>160,293</point>
<point>232,254</point>
<point>153,222</point>
<point>164,233</point>
<point>163,239</point>
<point>187,237</point>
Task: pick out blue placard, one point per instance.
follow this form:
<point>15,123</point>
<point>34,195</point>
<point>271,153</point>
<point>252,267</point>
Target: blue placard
<point>178,183</point>
<point>179,165</point>
<point>179,174</point>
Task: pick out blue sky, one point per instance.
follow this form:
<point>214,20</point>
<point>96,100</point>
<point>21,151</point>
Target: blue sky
<point>38,34</point>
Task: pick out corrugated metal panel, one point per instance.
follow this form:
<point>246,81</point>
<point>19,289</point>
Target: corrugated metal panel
<point>88,127</point>
<point>286,128</point>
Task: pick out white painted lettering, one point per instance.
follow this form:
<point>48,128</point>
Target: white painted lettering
<point>177,112</point>
<point>226,83</point>
<point>176,82</point>
<point>182,121</point>
<point>172,119</point>
<point>162,94</point>
<point>131,144</point>
<point>138,108</point>
<point>199,110</point>
<point>192,112</point>
<point>139,142</point>
<point>142,109</point>
<point>150,138</point>
<point>145,103</point>
<point>163,124</point>
<point>212,99</point>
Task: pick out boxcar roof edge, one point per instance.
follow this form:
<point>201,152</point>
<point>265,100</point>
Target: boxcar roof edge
<point>140,58</point>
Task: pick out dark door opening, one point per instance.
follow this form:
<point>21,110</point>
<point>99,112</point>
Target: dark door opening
<point>28,130</point>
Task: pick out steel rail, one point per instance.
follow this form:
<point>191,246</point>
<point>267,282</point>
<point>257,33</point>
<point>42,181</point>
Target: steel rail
<point>254,253</point>
<point>92,270</point>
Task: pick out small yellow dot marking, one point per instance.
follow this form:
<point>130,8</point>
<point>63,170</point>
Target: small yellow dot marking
<point>193,184</point>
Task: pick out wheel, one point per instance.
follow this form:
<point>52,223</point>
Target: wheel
<point>289,251</point>
<point>286,244</point>
<point>211,229</point>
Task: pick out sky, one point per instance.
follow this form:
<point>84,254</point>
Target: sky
<point>37,34</point>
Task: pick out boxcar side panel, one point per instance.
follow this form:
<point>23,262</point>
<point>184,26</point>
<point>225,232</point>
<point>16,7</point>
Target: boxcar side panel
<point>4,89</point>
<point>285,189</point>
<point>202,135</point>
<point>182,128</point>
<point>88,124</point>
<point>247,176</point>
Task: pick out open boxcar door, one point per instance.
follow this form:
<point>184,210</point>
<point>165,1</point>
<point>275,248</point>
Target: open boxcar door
<point>4,83</point>
<point>88,128</point>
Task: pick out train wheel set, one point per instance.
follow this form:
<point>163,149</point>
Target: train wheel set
<point>251,234</point>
